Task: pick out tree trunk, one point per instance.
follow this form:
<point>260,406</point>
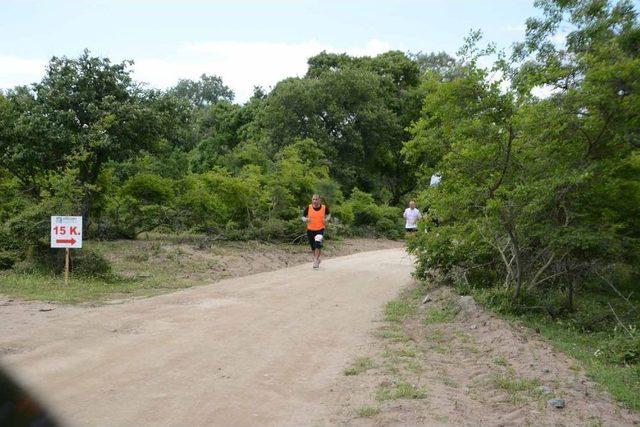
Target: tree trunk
<point>570,293</point>
<point>517,273</point>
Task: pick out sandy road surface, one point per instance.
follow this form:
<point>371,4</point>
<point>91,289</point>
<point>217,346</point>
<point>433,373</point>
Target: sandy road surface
<point>267,349</point>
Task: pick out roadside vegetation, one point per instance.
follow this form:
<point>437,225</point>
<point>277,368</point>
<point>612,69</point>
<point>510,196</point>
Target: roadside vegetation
<point>538,211</point>
<point>440,357</point>
<point>602,333</point>
<point>160,263</point>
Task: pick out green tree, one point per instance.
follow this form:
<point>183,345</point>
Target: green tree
<point>84,113</point>
<point>204,92</point>
<point>219,127</point>
<point>542,193</point>
<point>357,110</point>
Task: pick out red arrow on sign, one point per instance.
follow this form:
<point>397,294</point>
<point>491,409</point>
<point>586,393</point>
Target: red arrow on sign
<point>71,241</point>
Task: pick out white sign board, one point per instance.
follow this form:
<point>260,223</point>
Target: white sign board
<point>66,232</point>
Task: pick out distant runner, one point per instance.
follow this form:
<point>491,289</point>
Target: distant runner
<point>315,215</point>
<point>411,215</point>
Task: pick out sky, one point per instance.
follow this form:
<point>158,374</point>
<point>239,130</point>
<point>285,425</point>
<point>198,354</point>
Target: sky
<point>246,43</point>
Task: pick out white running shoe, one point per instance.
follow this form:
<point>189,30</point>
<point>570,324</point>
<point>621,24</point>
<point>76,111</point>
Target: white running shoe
<point>316,264</point>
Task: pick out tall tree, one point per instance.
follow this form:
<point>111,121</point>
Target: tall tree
<point>357,110</point>
<point>541,192</point>
<point>84,112</point>
<point>201,93</point>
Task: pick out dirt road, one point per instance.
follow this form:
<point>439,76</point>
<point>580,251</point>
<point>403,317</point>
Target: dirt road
<point>267,349</point>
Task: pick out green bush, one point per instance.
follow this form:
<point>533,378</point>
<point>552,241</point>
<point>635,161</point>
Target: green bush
<point>26,228</point>
<point>88,263</point>
<point>343,213</point>
<point>85,262</point>
<point>593,319</point>
<point>365,211</point>
<point>196,206</point>
<point>623,349</point>
<point>149,189</point>
<point>9,244</point>
<point>276,229</point>
<point>389,228</point>
<point>7,259</point>
<point>366,217</point>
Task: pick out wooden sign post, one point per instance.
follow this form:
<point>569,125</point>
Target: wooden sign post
<point>66,266</point>
<point>66,232</point>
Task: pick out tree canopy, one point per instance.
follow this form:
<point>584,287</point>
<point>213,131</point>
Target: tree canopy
<point>538,153</point>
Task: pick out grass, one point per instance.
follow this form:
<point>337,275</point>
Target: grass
<point>509,382</point>
<point>40,286</point>
<point>621,381</point>
<point>589,348</point>
<point>441,348</point>
<point>500,361</point>
<point>442,419</point>
<point>400,390</point>
<point>436,335</point>
<point>413,366</point>
<point>589,334</point>
<point>393,367</point>
<point>443,314</point>
<point>394,333</point>
<point>402,353</point>
<point>362,364</point>
<point>148,266</point>
<point>407,351</point>
<point>448,381</point>
<point>515,387</point>
<point>367,411</point>
<point>398,310</point>
<point>139,268</point>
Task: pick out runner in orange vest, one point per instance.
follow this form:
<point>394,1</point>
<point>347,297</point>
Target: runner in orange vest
<point>316,215</point>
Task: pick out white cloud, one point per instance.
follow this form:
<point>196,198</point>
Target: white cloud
<point>242,65</point>
<point>16,71</point>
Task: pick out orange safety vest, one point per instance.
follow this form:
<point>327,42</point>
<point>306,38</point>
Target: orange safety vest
<point>315,220</point>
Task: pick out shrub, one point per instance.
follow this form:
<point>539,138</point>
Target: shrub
<point>84,262</point>
<point>388,228</point>
<point>276,229</point>
<point>367,217</point>
<point>343,213</point>
<point>149,189</point>
<point>623,349</point>
<point>89,263</point>
<point>7,259</point>
<point>365,211</point>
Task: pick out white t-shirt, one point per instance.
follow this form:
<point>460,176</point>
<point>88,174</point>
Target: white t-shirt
<point>412,216</point>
